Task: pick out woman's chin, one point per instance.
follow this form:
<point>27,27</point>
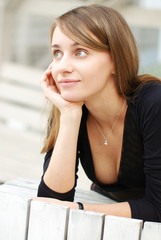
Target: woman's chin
<point>71,98</point>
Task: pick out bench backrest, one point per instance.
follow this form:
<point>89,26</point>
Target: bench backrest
<point>44,221</point>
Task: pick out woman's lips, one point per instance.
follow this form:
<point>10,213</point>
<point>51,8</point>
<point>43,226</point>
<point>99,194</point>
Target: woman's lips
<point>68,82</point>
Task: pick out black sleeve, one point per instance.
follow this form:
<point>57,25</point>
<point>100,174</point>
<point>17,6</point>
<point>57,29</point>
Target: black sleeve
<point>45,191</point>
<point>149,119</point>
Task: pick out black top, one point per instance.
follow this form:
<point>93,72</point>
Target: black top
<point>139,179</point>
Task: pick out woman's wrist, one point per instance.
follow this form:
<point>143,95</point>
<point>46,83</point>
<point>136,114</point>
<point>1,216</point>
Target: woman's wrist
<point>80,205</point>
<point>71,117</point>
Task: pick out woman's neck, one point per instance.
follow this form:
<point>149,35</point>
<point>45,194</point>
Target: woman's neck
<point>105,109</point>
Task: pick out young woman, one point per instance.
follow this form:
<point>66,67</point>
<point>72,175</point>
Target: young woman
<point>104,114</point>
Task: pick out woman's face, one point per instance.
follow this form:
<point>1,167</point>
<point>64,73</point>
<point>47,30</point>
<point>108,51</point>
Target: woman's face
<point>80,73</point>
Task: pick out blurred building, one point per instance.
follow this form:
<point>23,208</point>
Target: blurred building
<point>27,28</point>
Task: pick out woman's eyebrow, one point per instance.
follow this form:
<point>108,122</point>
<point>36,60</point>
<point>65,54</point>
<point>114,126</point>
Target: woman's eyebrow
<point>55,46</point>
<point>58,46</point>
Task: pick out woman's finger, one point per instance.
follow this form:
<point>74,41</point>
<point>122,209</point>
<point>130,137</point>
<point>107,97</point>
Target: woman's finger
<point>50,66</point>
<point>45,76</point>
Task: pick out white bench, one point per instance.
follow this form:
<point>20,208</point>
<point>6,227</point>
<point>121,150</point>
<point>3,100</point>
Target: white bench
<point>23,219</point>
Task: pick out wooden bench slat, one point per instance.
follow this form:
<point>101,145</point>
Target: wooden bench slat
<point>14,211</point>
<point>47,221</point>
<point>13,217</point>
<point>18,191</point>
<point>23,183</point>
<point>151,231</point>
<point>119,228</point>
<point>85,225</point>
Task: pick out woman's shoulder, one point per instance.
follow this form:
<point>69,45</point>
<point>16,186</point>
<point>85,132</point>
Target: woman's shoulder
<point>149,93</point>
<point>146,103</point>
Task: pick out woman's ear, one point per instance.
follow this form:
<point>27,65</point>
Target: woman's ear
<point>113,72</point>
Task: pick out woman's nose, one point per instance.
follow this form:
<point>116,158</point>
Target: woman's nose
<point>65,65</point>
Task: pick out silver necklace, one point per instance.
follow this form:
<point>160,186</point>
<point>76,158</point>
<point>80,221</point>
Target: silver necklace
<point>105,138</point>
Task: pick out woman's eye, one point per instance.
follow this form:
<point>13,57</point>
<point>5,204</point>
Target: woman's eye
<point>57,54</point>
<point>81,53</point>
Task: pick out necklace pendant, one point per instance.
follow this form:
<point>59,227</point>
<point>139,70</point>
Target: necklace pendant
<point>105,142</point>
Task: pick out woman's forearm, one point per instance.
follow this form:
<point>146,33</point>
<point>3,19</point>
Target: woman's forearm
<point>121,209</point>
<point>117,209</point>
<point>60,175</point>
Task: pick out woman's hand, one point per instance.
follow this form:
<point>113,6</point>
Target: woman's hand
<point>52,93</point>
<point>72,205</point>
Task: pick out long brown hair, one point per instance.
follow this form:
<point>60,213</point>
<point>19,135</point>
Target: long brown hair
<point>101,28</point>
